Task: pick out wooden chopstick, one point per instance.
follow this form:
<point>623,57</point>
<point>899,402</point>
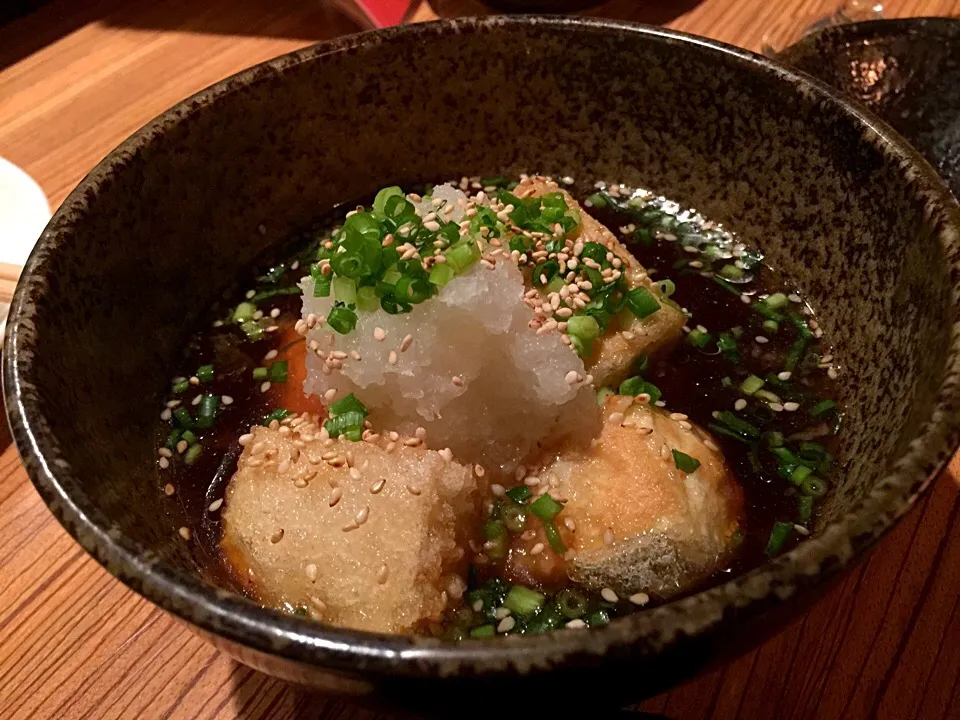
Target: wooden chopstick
<point>9,276</point>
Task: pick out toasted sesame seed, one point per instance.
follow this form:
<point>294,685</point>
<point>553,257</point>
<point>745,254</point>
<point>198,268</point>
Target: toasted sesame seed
<point>335,496</point>
<point>501,612</point>
<point>355,474</point>
<point>363,515</point>
<point>166,414</point>
<point>457,380</point>
<point>537,549</point>
<point>350,526</point>
<point>791,406</point>
<point>163,452</point>
<point>215,505</point>
<point>265,386</point>
<point>275,313</point>
<point>531,481</point>
<point>576,624</point>
<point>283,467</point>
<point>740,404</point>
<point>182,446</point>
<point>616,418</point>
<point>185,533</point>
<point>378,485</point>
<point>745,299</point>
<point>609,595</point>
<point>776,407</point>
<point>572,377</point>
<point>412,442</point>
<point>173,404</point>
<point>479,471</point>
<point>196,400</point>
<point>832,373</point>
<point>608,536</point>
<point>793,297</point>
<point>801,529</point>
<point>270,355</point>
<point>379,334</point>
<point>413,489</point>
<point>194,380</point>
<point>169,489</point>
<point>506,625</point>
<point>640,598</point>
<point>277,536</point>
<point>761,339</point>
<point>477,605</point>
<point>392,357</point>
<point>382,574</point>
<point>446,454</point>
<point>570,524</point>
<point>311,572</point>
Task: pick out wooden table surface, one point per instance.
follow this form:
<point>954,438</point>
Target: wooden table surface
<point>76,78</point>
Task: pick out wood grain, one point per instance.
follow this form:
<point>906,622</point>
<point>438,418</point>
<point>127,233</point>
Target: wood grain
<point>76,78</point>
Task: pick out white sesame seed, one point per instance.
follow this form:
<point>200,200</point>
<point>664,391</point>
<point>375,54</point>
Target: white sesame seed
<point>379,334</point>
<point>498,490</point>
<point>761,339</point>
<point>173,404</point>
<point>311,572</point>
<point>182,446</point>
<point>609,595</point>
<point>363,515</point>
<point>793,297</point>
<point>446,454</point>
<point>832,373</point>
<point>640,598</point>
<point>335,496</point>
<point>501,612</point>
<point>378,485</point>
<point>164,452</point>
<point>791,406</point>
<point>164,463</point>
<point>801,529</point>
<point>392,357</point>
<point>506,625</point>
<point>275,313</point>
<point>196,400</point>
<point>537,549</point>
<point>531,481</point>
<point>608,536</point>
<point>740,404</point>
<point>382,574</point>
<point>745,299</point>
<point>406,343</point>
<point>226,399</point>
<point>572,377</point>
<point>576,624</point>
<point>477,605</point>
<point>265,386</point>
<point>776,407</point>
<point>785,375</point>
<point>184,533</point>
<point>215,505</point>
<point>166,414</point>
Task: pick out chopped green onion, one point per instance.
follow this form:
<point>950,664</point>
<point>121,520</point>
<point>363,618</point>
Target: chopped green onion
<point>260,373</point>
<point>463,255</point>
<point>726,381</point>
<point>771,326</point>
<point>580,346</point>
<point>774,439</point>
<point>775,301</point>
<point>441,274</point>
<point>483,631</point>
<point>731,272</point>
<point>173,438</point>
<point>813,486</point>
<point>666,287</point>
<point>727,285</point>
<point>182,416</point>
<point>742,427</point>
<point>380,201</point>
<point>553,537</point>
<point>252,330</point>
<point>751,384</point>
<point>321,283</point>
<point>799,474</point>
<point>496,181</point>
<point>603,394</point>
<point>345,290</point>
<point>698,338</point>
<point>349,424</point>
<point>785,456</point>
<point>583,326</point>
<point>181,386</point>
<point>367,299</point>
<point>597,200</point>
<point>348,404</point>
<point>514,517</point>
<point>189,437</point>
<point>342,319</point>
<point>278,372</point>
<point>205,373</point>
<point>822,407</point>
<point>519,494</point>
<point>208,411</point>
<point>267,294</point>
<point>597,618</point>
<point>523,601</point>
<point>545,507</point>
<point>278,415</point>
<point>642,302</point>
<point>767,396</point>
<point>719,429</point>
<point>244,312</point>
<point>571,604</point>
<point>778,537</point>
<point>192,454</point>
<point>805,508</point>
<point>727,344</point>
<point>637,386</point>
<point>684,462</point>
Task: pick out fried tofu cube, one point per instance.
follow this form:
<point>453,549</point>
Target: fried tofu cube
<point>627,336</point>
<point>641,524</point>
<point>360,534</point>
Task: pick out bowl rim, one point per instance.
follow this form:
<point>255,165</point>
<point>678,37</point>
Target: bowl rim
<point>647,632</point>
<point>868,30</point>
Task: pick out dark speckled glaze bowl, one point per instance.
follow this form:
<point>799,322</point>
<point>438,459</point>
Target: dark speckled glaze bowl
<point>833,196</point>
<point>906,71</point>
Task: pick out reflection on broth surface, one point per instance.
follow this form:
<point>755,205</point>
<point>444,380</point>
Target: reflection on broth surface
<point>490,409</point>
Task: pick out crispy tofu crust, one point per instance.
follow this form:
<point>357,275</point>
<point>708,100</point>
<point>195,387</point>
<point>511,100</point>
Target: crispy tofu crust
<point>360,536</point>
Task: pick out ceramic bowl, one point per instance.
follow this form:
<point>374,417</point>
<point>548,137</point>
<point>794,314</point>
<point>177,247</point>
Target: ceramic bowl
<point>906,71</point>
<point>166,222</point>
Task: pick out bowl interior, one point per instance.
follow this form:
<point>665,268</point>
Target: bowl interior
<point>169,221</point>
